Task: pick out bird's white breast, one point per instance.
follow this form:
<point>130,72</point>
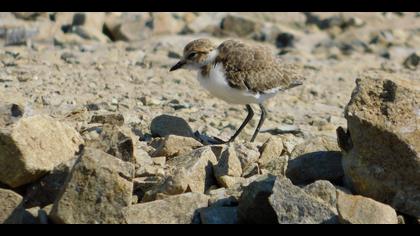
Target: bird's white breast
<point>215,82</point>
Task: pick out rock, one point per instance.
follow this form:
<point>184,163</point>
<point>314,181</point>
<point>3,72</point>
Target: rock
<point>174,145</point>
<point>114,140</point>
<point>46,190</point>
<point>276,166</point>
<point>381,156</point>
<point>12,108</point>
<point>412,61</point>
<point>97,189</point>
<point>247,153</point>
<point>90,34</point>
<point>251,170</point>
<point>223,197</point>
<point>94,20</point>
<point>192,172</point>
<point>11,209</point>
<point>239,26</point>
<point>271,149</point>
<point>219,215</point>
<point>31,216</point>
<point>293,205</point>
<point>362,210</point>
<point>19,36</point>
<point>34,146</point>
<point>228,164</point>
<point>254,207</point>
<point>316,159</point>
<point>108,118</point>
<point>180,209</point>
<point>28,15</point>
<point>324,191</point>
<point>284,40</point>
<point>150,170</point>
<point>164,125</point>
<point>227,181</point>
<point>120,27</point>
<point>165,23</point>
<point>290,141</point>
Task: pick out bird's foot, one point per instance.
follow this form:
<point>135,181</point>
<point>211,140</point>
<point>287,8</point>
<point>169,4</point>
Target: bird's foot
<point>217,140</point>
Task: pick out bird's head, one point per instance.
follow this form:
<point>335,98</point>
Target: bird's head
<point>197,54</point>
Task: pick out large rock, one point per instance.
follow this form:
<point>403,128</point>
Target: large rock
<point>180,209</point>
<point>174,145</point>
<point>34,146</point>
<point>11,209</point>
<point>219,215</point>
<point>254,207</point>
<point>97,189</point>
<point>192,172</point>
<point>362,210</point>
<point>293,205</point>
<point>316,159</point>
<point>164,125</point>
<point>381,149</point>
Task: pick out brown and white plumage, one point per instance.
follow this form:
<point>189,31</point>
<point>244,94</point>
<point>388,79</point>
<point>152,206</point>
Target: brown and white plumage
<point>239,73</point>
<point>255,68</point>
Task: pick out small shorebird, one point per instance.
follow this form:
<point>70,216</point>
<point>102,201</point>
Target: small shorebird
<point>239,73</point>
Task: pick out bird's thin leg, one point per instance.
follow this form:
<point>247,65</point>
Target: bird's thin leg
<point>247,119</point>
<point>260,123</point>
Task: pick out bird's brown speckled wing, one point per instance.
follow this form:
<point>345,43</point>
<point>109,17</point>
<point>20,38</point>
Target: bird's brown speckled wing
<point>255,68</point>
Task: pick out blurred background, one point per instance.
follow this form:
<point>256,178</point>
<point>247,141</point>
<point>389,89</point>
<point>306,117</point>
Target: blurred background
<point>62,61</point>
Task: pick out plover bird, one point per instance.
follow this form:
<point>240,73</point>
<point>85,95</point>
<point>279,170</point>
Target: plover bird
<point>239,73</point>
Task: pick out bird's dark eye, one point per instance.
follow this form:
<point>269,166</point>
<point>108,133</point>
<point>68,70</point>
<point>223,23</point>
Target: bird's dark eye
<point>192,55</point>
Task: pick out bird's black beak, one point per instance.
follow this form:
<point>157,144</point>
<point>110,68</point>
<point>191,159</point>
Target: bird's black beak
<point>177,65</point>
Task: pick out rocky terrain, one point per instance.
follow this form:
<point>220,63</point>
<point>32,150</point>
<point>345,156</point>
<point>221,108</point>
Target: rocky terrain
<point>94,128</point>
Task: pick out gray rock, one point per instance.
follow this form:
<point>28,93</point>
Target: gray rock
<point>219,215</point>
<point>34,146</point>
<point>254,207</point>
<point>381,148</point>
<point>316,159</point>
<point>11,209</point>
<point>97,189</point>
<point>164,125</point>
<point>293,205</point>
<point>362,210</point>
<point>179,209</point>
